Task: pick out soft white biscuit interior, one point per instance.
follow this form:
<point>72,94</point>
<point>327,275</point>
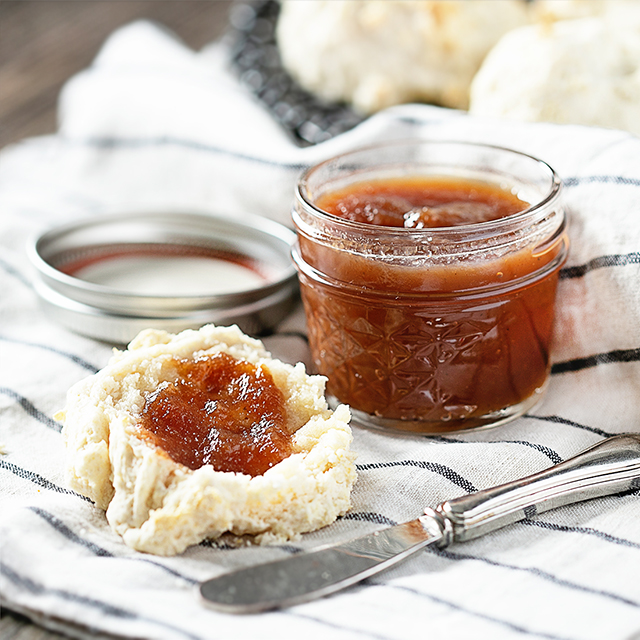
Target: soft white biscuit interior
<point>162,507</point>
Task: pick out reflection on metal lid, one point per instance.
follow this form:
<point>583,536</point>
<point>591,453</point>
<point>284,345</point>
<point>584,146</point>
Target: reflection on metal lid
<point>112,276</point>
<point>167,269</point>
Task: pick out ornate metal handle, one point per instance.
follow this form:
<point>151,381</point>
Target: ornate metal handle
<point>612,466</point>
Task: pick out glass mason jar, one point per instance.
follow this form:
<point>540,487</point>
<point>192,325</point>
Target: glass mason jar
<point>437,329</point>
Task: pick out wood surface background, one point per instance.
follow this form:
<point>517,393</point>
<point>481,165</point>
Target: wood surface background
<point>45,42</point>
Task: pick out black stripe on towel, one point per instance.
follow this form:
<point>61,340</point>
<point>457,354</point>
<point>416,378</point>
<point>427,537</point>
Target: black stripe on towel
<point>12,271</point>
<point>477,614</point>
<point>555,457</point>
<point>614,260</point>
<point>97,550</point>
<point>444,471</point>
<point>545,575</point>
<point>570,423</point>
<point>31,586</point>
<point>547,451</point>
<point>551,526</point>
<point>37,479</point>
<point>65,531</point>
<point>610,357</point>
<point>31,409</point>
<point>368,516</point>
<point>602,179</point>
<point>110,142</point>
<point>356,632</point>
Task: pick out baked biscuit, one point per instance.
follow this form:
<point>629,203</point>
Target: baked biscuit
<point>584,71</point>
<point>162,506</point>
<point>374,53</point>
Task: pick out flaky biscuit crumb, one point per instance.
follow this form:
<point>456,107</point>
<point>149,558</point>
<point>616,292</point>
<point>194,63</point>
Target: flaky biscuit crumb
<point>162,507</point>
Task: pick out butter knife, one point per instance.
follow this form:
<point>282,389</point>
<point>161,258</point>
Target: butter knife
<point>612,466</point>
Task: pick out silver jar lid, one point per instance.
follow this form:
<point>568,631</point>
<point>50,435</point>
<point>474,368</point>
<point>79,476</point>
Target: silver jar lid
<point>112,276</point>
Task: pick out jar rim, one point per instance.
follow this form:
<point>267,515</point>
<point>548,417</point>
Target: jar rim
<point>487,227</point>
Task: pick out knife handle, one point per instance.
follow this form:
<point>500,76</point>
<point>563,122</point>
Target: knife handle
<point>612,466</point>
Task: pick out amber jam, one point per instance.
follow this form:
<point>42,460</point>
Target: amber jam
<point>430,297</point>
<point>219,411</point>
<point>419,203</point>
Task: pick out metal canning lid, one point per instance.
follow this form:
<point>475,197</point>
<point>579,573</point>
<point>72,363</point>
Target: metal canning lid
<point>112,276</point>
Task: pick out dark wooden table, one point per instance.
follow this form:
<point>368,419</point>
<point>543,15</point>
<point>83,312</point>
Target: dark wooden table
<point>42,44</point>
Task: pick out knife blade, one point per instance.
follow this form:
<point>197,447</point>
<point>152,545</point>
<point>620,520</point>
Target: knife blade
<point>318,573</point>
<point>612,466</point>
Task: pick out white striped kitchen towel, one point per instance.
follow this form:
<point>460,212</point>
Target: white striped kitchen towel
<point>154,126</point>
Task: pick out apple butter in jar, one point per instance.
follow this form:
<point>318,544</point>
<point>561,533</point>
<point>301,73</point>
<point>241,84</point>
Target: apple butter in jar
<point>428,273</point>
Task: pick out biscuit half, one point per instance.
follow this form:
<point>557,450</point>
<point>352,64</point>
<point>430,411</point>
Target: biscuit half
<point>161,506</point>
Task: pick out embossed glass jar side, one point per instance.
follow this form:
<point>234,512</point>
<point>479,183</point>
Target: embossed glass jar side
<point>437,329</point>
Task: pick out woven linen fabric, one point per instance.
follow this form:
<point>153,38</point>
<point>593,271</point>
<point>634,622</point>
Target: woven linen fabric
<point>154,126</point>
